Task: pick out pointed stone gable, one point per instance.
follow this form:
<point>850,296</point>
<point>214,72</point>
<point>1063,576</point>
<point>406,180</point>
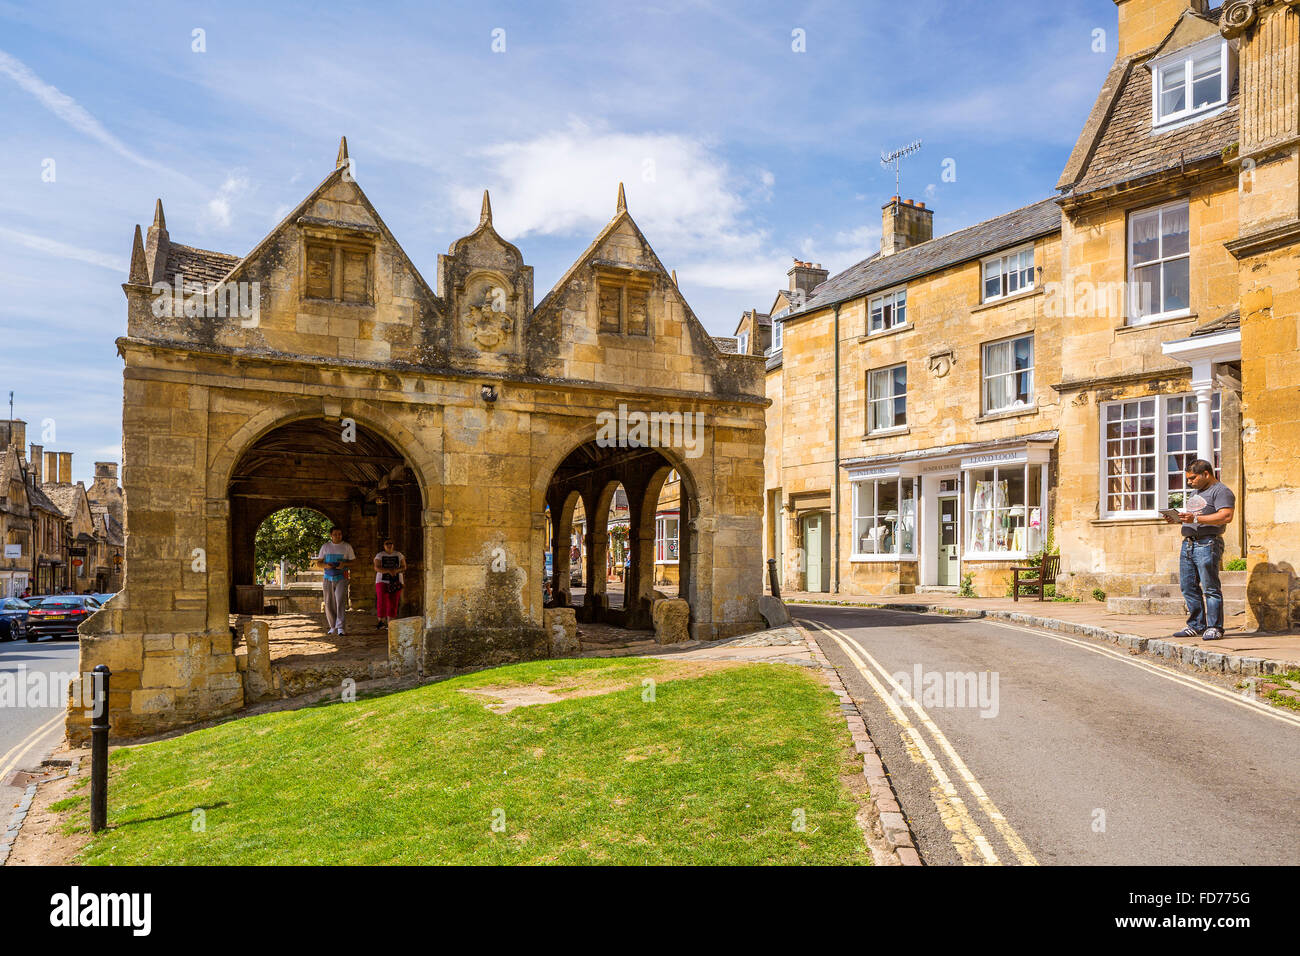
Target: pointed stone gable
<point>618,316</point>
<point>330,284</point>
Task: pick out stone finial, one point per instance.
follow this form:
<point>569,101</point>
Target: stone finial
<point>485,215</point>
<point>343,153</point>
<point>622,200</point>
<point>139,274</point>
<point>159,221</point>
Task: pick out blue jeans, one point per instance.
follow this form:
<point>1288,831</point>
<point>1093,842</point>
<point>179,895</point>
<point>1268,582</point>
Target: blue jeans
<point>1198,577</point>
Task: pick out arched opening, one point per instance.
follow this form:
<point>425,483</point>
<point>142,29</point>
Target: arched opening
<point>288,488</point>
<point>608,502</point>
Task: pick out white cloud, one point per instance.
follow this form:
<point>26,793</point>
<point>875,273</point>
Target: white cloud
<point>70,111</point>
<point>218,208</point>
<point>565,183</point>
<point>62,250</point>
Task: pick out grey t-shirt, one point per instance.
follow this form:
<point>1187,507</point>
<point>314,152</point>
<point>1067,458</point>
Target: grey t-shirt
<point>1216,497</point>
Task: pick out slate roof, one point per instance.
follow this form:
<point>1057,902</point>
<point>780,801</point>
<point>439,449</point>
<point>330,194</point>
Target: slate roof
<point>882,272</point>
<point>726,343</point>
<point>198,265</point>
<point>1223,323</point>
<point>37,498</point>
<point>1129,149</point>
<point>64,497</point>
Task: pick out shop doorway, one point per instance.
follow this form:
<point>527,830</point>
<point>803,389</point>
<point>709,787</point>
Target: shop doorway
<point>949,569</point>
<point>817,552</point>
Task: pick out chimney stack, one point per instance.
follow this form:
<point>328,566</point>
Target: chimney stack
<point>1144,23</point>
<point>13,432</point>
<point>37,463</point>
<point>65,467</point>
<point>904,223</point>
<point>806,276</point>
<point>51,468</point>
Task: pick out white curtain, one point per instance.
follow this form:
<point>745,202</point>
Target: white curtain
<point>882,389</point>
<point>999,387</point>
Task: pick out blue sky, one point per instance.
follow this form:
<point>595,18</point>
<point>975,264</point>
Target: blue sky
<point>737,151</point>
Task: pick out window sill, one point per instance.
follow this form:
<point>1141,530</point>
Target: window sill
<point>1006,299</point>
<point>1187,119</point>
<point>1137,518</point>
<point>887,433</point>
<point>996,556</point>
<point>881,558</point>
<point>1007,413</point>
<point>884,333</point>
<point>1131,326</point>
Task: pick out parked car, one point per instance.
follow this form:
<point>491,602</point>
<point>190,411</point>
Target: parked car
<point>59,614</point>
<point>13,618</point>
<point>103,597</point>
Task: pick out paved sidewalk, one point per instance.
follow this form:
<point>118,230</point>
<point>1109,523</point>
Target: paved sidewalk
<point>1089,617</point>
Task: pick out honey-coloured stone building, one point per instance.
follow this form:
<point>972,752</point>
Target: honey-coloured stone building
<point>321,369</point>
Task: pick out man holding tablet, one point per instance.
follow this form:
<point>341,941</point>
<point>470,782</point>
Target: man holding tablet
<point>1208,513</point>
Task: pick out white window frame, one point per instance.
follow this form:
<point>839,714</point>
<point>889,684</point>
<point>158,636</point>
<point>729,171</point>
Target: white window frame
<point>742,343</point>
<point>985,376</point>
<point>1187,58</point>
<point>1160,455</point>
<point>662,537</point>
<point>872,402</point>
<point>893,299</point>
<point>776,336</point>
<point>1162,260</point>
<point>1002,261</point>
<point>968,516</point>
<point>863,485</point>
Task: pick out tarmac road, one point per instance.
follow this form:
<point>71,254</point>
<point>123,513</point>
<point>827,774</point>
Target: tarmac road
<point>31,721</point>
<point>1075,753</point>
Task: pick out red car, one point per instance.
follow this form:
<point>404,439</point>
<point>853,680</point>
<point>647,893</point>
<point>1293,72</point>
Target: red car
<point>58,615</point>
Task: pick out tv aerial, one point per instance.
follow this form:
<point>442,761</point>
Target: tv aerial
<point>893,161</point>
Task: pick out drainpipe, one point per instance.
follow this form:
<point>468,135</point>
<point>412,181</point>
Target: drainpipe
<point>835,494</point>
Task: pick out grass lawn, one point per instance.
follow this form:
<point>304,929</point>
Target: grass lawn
<point>712,770</point>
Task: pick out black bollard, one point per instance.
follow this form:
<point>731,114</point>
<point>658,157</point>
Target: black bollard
<point>771,578</point>
<point>99,751</point>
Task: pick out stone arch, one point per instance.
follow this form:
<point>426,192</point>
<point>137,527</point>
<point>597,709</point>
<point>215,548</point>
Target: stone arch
<point>379,487</point>
<point>423,460</point>
<point>642,480</point>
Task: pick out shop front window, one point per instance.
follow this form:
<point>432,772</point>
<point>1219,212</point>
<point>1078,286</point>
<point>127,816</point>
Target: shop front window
<point>1005,510</point>
<point>884,517</point>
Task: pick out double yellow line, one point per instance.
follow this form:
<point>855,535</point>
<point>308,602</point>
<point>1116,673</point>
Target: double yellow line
<point>968,838</point>
<point>10,760</point>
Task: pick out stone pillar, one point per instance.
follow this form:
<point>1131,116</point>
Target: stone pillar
<point>406,647</point>
<point>257,673</point>
<point>1203,386</point>
<point>596,601</point>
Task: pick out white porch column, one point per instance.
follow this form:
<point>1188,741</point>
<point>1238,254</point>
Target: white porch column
<point>1203,386</point>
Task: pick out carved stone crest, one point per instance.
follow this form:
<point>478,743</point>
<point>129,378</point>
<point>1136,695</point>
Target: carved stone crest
<point>489,324</point>
<point>941,363</point>
<point>1238,16</point>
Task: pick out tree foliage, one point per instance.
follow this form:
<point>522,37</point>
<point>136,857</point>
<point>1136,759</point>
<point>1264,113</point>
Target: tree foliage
<point>294,534</point>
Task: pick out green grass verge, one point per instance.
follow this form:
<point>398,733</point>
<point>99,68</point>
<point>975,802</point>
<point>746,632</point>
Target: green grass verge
<point>712,770</point>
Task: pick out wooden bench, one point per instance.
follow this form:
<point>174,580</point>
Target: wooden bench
<point>1039,577</point>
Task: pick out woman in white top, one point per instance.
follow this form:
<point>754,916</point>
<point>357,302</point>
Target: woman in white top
<point>389,581</point>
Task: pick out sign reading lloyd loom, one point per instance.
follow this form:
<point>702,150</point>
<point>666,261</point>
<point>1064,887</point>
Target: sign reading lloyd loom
<point>1016,456</point>
<point>13,550</point>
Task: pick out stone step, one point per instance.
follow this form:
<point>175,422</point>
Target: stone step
<point>1234,592</point>
<point>1226,578</point>
<point>1150,605</point>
